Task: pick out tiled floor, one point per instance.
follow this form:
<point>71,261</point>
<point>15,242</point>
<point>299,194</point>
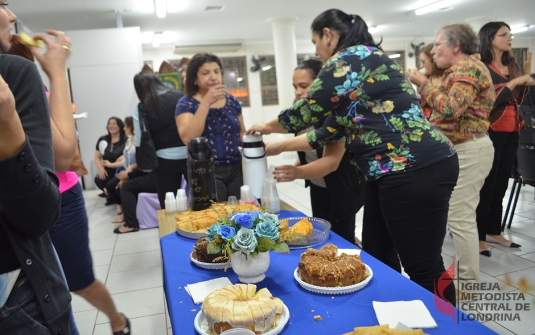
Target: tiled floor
<point>130,265</point>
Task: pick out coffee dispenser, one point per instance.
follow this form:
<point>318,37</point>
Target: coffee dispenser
<point>254,163</point>
<point>201,174</point>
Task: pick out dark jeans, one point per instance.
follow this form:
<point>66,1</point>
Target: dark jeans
<point>112,191</point>
<point>129,192</point>
<point>489,212</point>
<point>22,315</point>
<point>405,218</point>
<point>228,180</point>
<point>339,211</point>
<point>169,177</point>
<point>101,183</point>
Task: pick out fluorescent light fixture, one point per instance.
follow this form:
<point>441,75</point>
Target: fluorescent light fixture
<point>518,29</point>
<point>394,56</point>
<point>161,8</point>
<point>157,40</point>
<point>145,6</point>
<point>239,79</point>
<point>267,67</point>
<point>373,29</point>
<point>146,37</point>
<point>435,6</point>
<point>174,6</point>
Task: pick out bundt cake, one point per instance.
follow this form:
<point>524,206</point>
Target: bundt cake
<point>240,306</point>
<point>326,268</point>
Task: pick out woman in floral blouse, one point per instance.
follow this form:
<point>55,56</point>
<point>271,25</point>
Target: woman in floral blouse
<point>411,166</point>
<point>208,110</point>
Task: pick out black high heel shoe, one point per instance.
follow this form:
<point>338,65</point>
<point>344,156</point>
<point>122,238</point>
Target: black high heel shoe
<point>485,252</point>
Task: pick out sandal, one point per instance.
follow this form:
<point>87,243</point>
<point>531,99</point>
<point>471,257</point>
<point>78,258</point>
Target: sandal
<point>117,231</point>
<point>119,219</point>
<point>126,330</point>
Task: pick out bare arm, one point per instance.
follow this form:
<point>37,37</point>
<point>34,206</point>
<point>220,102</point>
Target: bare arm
<point>332,155</point>
<point>242,126</point>
<point>98,162</point>
<point>62,122</point>
<point>191,125</point>
<point>266,128</point>
<point>298,143</point>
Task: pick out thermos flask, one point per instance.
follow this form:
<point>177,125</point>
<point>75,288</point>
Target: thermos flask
<point>254,163</point>
<point>201,177</point>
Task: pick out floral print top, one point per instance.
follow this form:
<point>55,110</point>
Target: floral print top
<point>365,96</point>
<point>462,103</point>
<point>222,128</point>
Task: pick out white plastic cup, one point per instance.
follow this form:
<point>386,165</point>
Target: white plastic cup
<point>232,201</point>
<point>181,193</point>
<point>181,203</point>
<point>422,70</point>
<point>169,196</point>
<point>246,194</point>
<point>170,206</point>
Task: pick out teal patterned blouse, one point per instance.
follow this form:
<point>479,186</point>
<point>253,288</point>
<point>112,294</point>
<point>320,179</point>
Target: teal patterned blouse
<point>365,96</point>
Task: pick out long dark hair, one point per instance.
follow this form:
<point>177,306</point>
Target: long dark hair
<point>193,67</point>
<point>486,34</point>
<point>313,66</point>
<point>120,124</point>
<point>351,28</point>
<point>148,88</point>
<point>129,122</point>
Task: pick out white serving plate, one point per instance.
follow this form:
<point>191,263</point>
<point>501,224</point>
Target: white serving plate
<point>208,266</point>
<point>334,290</point>
<point>201,325</point>
<point>189,234</point>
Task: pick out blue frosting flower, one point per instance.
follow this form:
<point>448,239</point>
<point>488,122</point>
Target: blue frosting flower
<point>243,219</point>
<point>226,232</point>
<point>267,229</point>
<point>212,230</point>
<point>267,217</point>
<point>245,241</point>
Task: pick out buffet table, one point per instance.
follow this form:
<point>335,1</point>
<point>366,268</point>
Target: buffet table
<point>340,313</point>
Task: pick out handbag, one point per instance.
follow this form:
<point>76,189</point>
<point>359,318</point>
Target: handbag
<point>146,152</point>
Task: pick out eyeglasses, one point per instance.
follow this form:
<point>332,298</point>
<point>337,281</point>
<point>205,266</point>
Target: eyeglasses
<point>437,44</point>
<point>422,61</point>
<point>507,35</point>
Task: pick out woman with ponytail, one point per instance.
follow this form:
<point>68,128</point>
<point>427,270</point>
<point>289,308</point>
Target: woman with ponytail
<point>411,167</point>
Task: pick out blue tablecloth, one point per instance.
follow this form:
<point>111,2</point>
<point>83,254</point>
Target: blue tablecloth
<point>340,313</point>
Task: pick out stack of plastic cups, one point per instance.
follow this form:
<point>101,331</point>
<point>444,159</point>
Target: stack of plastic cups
<point>170,202</point>
<point>246,194</point>
<point>270,196</point>
<point>181,200</point>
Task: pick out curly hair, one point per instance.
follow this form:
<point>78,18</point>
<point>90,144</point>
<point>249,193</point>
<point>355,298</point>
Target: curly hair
<point>464,35</point>
<point>426,50</point>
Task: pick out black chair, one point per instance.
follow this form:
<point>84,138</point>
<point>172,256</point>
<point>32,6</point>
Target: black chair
<point>524,170</point>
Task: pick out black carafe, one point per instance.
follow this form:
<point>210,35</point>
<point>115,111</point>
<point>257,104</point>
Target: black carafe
<point>201,177</point>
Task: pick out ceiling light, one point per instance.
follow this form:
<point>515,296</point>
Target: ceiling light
<point>394,56</point>
<point>147,36</point>
<point>373,29</point>
<point>518,29</point>
<point>267,67</point>
<point>239,79</point>
<point>435,6</point>
<point>145,6</point>
<point>161,8</point>
<point>214,8</point>
<point>174,6</point>
<point>156,40</point>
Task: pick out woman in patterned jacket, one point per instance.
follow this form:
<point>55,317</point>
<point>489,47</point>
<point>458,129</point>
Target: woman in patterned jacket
<point>410,166</point>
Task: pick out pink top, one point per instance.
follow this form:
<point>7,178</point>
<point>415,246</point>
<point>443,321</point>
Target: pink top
<point>67,180</point>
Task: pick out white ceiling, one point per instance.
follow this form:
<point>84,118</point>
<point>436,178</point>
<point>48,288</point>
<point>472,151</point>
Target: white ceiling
<point>246,20</point>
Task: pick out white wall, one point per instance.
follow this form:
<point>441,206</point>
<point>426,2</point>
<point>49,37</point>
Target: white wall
<point>102,68</point>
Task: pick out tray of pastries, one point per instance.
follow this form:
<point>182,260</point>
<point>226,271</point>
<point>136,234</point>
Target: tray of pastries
<point>193,224</point>
<point>326,271</point>
<point>241,306</point>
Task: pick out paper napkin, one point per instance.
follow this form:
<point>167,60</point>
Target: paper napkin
<point>199,291</point>
<point>413,314</point>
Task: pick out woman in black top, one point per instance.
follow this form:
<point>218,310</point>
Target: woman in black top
<point>109,149</point>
